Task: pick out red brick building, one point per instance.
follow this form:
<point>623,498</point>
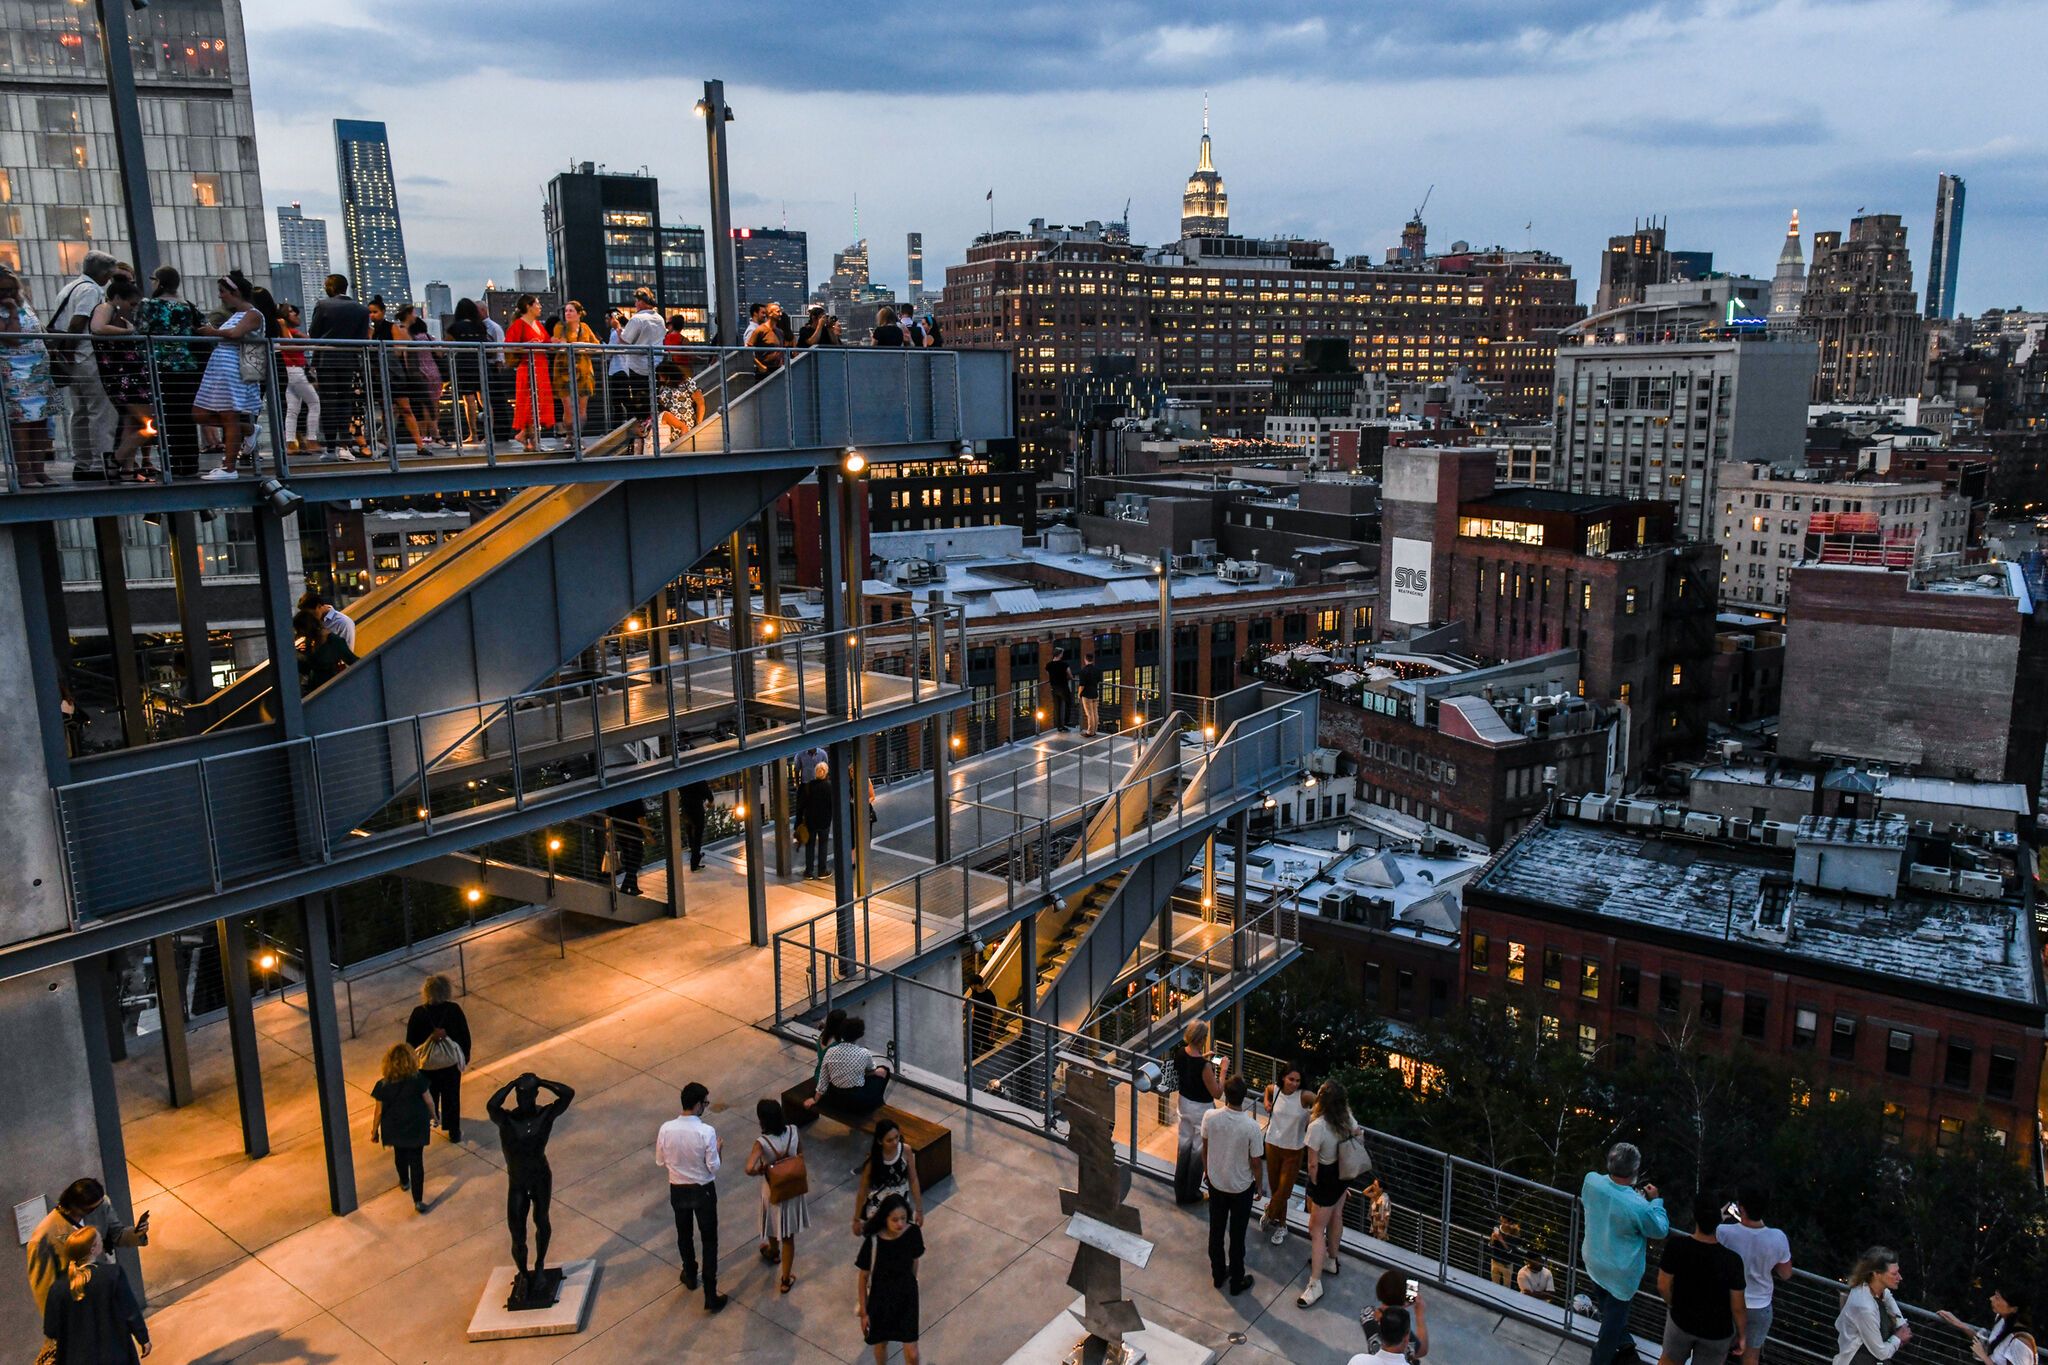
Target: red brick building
<point>1623,935</point>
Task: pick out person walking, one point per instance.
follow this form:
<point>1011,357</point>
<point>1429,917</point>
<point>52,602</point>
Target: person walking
<point>225,399</point>
<point>1233,1159</point>
<point>299,393</point>
<point>687,1148</point>
<point>1329,1128</point>
<point>468,359</point>
<point>694,800</point>
<point>338,318</point>
<point>1287,1115</point>
<point>124,376</point>
<point>1088,682</point>
<point>1620,1222</point>
<point>1766,1258</point>
<point>629,838</point>
<point>1702,1282</point>
<point>1059,680</point>
<point>2004,1342</point>
<point>574,374</point>
<point>781,1218</point>
<point>1870,1322</point>
<point>888,1173</point>
<point>533,396</point>
<point>1198,1077</point>
<point>439,1032</point>
<point>886,1290</point>
<point>1389,1339</point>
<point>93,418</point>
<point>90,1317</point>
<point>402,1119</point>
<point>816,811</point>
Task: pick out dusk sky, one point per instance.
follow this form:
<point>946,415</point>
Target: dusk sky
<point>1330,121</point>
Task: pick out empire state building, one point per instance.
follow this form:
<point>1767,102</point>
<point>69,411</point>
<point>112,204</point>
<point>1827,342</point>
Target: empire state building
<point>1205,208</point>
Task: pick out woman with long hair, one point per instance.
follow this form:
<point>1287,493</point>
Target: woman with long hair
<point>533,397</point>
<point>1870,1319</point>
<point>1329,1126</point>
<point>402,1120</point>
<point>225,399</point>
<point>91,1317</point>
<point>574,373</point>
<point>170,322</point>
<point>888,1173</point>
<point>2005,1341</point>
<point>1287,1116</point>
<point>781,1220</point>
<point>25,376</point>
<point>1198,1076</point>
<point>887,1286</point>
<point>466,365</point>
<point>438,1030</point>
<point>124,374</point>
<point>300,395</point>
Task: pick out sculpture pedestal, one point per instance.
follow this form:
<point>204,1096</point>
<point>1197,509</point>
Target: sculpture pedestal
<point>1154,1346</point>
<point>566,1315</point>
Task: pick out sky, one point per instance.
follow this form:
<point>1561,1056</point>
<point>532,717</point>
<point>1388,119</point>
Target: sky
<point>1552,123</point>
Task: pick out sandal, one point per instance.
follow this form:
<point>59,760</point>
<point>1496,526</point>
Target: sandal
<point>1310,1295</point>
<point>787,1283</point>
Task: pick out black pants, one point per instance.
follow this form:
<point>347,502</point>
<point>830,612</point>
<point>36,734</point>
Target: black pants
<point>1063,708</point>
<point>818,852</point>
<point>699,1202</point>
<point>532,1195</point>
<point>335,379</point>
<point>1231,1212</point>
<point>693,831</point>
<point>447,1092</point>
<point>864,1098</point>
<point>412,1171</point>
<point>632,857</point>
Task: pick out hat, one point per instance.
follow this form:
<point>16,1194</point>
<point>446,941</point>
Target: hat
<point>817,308</point>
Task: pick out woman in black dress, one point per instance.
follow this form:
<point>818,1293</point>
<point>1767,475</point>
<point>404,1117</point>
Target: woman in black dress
<point>92,1315</point>
<point>402,1120</point>
<point>439,1032</point>
<point>888,1280</point>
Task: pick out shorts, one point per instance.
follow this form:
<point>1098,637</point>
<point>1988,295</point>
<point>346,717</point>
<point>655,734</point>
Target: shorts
<point>1756,1327</point>
<point>1681,1345</point>
<point>1328,1188</point>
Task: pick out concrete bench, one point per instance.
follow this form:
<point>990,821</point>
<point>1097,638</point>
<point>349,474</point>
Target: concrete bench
<point>931,1144</point>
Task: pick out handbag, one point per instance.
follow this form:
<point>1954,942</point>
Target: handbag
<point>1354,1163</point>
<point>255,362</point>
<point>788,1177</point>
<point>438,1054</point>
<point>803,832</point>
<point>69,361</point>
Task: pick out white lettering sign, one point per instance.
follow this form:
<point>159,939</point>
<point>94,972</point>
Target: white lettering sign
<point>1408,594</point>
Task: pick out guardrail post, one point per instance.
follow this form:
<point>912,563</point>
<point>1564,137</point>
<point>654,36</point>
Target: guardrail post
<point>1571,1268</point>
<point>1443,1260</point>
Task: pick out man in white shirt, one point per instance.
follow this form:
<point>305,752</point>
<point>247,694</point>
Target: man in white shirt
<point>1393,1331</point>
<point>645,333</point>
<point>93,420</point>
<point>1766,1255</point>
<point>1234,1160</point>
<point>331,617</point>
<point>687,1148</point>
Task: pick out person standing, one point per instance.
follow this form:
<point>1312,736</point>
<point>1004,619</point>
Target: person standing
<point>1059,680</point>
<point>820,328</point>
<point>643,335</point>
<point>888,1173</point>
<point>225,399</point>
<point>816,810</point>
<point>402,1119</point>
<point>694,800</point>
<point>1387,1334</point>
<point>439,1030</point>
<point>124,375</point>
<point>2003,1343</point>
<point>25,366</point>
<point>781,1219</point>
<point>299,393</point>
<point>82,1206</point>
<point>338,318</point>
<point>1329,1128</point>
<point>171,323</point>
<point>1703,1284</point>
<point>1233,1159</point>
<point>468,359</point>
<point>1198,1077</point>
<point>574,373</point>
<point>629,837</point>
<point>888,332</point>
<point>687,1148</point>
<point>1870,1321</point>
<point>533,396</point>
<point>1766,1258</point>
<point>886,1290</point>
<point>1620,1222</point>
<point>92,412</point>
<point>1089,683</point>
<point>90,1316</point>
<point>1504,1249</point>
<point>1287,1115</point>
<point>981,1014</point>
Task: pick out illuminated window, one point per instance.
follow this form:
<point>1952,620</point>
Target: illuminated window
<point>1518,961</point>
<point>1589,1040</point>
<point>1677,676</point>
<point>1893,1124</point>
<point>1586,597</point>
<point>1629,603</point>
<point>1589,979</point>
<point>206,191</point>
<point>1482,953</point>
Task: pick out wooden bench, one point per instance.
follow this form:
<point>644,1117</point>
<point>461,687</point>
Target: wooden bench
<point>931,1144</point>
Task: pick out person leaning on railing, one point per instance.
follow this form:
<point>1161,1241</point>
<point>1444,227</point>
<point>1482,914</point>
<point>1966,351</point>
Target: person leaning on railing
<point>225,399</point>
<point>1870,1326</point>
<point>2004,1342</point>
<point>574,373</point>
<point>29,391</point>
<point>1621,1221</point>
<point>173,326</point>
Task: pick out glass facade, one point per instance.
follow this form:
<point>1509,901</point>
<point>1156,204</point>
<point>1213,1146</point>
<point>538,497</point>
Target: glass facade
<point>369,212</point>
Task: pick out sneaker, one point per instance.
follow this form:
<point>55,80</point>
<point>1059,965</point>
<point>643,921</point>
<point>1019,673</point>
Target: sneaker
<point>1279,1234</point>
<point>1310,1295</point>
<point>1582,1304</point>
<point>337,457</point>
<point>216,475</point>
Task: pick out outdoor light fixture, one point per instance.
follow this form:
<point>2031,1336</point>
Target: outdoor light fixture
<point>281,501</point>
<point>1308,781</point>
<point>632,623</point>
<point>957,741</point>
<point>703,110</point>
<point>1208,732</point>
<point>268,962</point>
<point>1040,715</point>
<point>1265,799</point>
<point>1147,1078</point>
<point>554,845</point>
<point>472,895</point>
<point>423,812</point>
<point>853,462</point>
<point>767,627</point>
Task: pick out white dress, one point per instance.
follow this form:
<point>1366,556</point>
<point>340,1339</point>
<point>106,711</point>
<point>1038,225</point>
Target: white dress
<point>222,388</point>
<point>791,1216</point>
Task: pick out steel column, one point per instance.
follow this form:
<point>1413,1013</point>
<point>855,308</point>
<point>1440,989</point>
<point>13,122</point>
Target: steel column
<point>676,855</point>
<point>1027,962</point>
<point>741,634</point>
<point>106,536</point>
<point>770,551</point>
<point>182,530</point>
<point>97,994</point>
<point>277,621</point>
<point>1244,828</point>
<point>726,331</point>
<point>942,786</point>
<point>316,914</point>
<point>832,558</point>
<point>234,968</point>
<point>170,1009</point>
<point>128,147</point>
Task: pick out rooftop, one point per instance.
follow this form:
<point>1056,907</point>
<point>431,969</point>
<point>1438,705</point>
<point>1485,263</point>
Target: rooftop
<point>1550,500</point>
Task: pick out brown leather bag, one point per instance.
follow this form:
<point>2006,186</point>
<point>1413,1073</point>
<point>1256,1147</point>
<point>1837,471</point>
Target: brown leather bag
<point>788,1177</point>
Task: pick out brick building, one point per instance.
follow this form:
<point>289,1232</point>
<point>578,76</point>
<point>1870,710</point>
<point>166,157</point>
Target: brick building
<point>1769,524</point>
<point>1621,937</point>
<point>1301,525</point>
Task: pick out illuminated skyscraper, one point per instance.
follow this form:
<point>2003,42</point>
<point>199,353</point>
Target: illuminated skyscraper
<point>913,284</point>
<point>303,242</point>
<point>369,212</point>
<point>1948,248</point>
<point>1789,284</point>
<point>1205,208</point>
<point>773,265</point>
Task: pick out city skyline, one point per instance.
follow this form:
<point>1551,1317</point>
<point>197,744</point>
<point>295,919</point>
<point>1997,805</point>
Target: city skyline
<point>1724,167</point>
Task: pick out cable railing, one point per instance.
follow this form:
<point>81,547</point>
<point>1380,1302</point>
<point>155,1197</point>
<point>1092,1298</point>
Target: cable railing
<point>288,406</point>
<point>264,812</point>
<point>1171,986</point>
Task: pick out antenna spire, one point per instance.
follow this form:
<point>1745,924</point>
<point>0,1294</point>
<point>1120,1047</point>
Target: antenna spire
<point>856,219</point>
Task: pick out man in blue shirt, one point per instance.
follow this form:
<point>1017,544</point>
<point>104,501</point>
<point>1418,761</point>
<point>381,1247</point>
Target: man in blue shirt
<point>1621,1222</point>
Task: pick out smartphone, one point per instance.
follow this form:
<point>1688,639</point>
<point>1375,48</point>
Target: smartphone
<point>1412,1288</point>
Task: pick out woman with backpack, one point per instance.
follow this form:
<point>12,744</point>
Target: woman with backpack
<point>783,1211</point>
<point>1334,1151</point>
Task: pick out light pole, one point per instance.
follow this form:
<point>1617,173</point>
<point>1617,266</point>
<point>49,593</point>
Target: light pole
<point>715,113</point>
<point>115,56</point>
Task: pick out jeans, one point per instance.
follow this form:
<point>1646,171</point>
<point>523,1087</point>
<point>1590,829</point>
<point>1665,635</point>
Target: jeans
<point>1187,1156</point>
<point>698,1203</point>
<point>412,1171</point>
<point>1231,1212</point>
<point>1613,1325</point>
<point>299,393</point>
<point>336,391</point>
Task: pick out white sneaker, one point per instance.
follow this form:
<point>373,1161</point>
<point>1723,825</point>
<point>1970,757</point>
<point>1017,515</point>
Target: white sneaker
<point>1310,1295</point>
<point>1279,1233</point>
<point>337,457</point>
<point>1582,1304</point>
<point>1330,1265</point>
<point>216,475</point>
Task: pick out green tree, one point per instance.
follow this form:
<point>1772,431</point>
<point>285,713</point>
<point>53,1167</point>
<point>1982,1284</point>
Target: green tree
<point>1963,1213</point>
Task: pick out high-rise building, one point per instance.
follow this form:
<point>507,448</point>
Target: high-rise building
<point>527,280</point>
<point>913,279</point>
<point>683,289</point>
<point>440,302</point>
<point>1205,207</point>
<point>1633,263</point>
<point>303,242</point>
<point>1788,285</point>
<point>773,266</point>
<point>1860,305</point>
<point>288,283</point>
<point>1946,253</point>
<point>60,183</point>
<point>850,294</point>
<point>369,212</point>
<point>605,240</point>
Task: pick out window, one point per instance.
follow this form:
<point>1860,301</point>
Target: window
<point>2000,1077</point>
<point>1404,992</point>
<point>1624,1048</point>
<point>1589,1040</point>
<point>1628,600</point>
<point>206,191</point>
<point>1625,688</point>
<point>1710,1003</point>
<point>1553,970</point>
<point>1843,1048</point>
<point>1589,979</point>
<point>1370,985</point>
<point>1669,989</point>
<point>1677,675</point>
<point>1957,1065</point>
<point>1439,997</point>
<point>1755,1009</point>
<point>1631,994</point>
<point>1898,1052</point>
<point>1948,1133</point>
<point>1551,1028</point>
<point>1518,961</point>
<point>1482,953</point>
<point>1805,1024</point>
<point>1586,597</point>
<point>1893,1124</point>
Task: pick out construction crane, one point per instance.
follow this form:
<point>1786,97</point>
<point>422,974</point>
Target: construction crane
<point>1425,202</point>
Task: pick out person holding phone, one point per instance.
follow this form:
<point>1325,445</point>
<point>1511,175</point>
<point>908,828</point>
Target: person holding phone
<point>1623,1214</point>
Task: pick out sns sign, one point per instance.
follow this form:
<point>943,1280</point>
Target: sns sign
<point>1408,594</point>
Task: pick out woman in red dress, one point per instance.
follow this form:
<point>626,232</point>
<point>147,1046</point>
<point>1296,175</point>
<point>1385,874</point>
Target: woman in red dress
<point>533,397</point>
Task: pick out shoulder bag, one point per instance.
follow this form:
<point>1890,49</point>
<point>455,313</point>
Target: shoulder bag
<point>788,1177</point>
<point>1353,1162</point>
<point>438,1054</point>
<point>255,359</point>
<point>68,360</point>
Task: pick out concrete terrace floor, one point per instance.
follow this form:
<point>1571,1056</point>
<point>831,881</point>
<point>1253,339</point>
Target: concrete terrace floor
<point>248,1266</point>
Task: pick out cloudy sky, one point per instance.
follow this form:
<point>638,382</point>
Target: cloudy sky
<point>1545,122</point>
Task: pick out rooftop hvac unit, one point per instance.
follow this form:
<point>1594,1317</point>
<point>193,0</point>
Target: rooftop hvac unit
<point>1568,807</point>
<point>1596,806</point>
<point>912,572</point>
<point>1204,549</point>
<point>1671,817</point>
<point>1323,761</point>
<point>1923,877</point>
<point>1341,905</point>
<point>1979,886</point>
<point>1632,812</point>
<point>1187,563</point>
<point>1700,823</point>
<point>1740,828</point>
<point>1237,571</point>
<point>1778,834</point>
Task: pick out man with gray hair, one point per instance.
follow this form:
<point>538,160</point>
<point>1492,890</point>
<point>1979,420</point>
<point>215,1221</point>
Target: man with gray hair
<point>1621,1221</point>
<point>93,419</point>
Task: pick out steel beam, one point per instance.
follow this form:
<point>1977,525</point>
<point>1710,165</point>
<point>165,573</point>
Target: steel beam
<point>316,914</point>
<point>170,1009</point>
<point>106,537</point>
<point>242,1046</point>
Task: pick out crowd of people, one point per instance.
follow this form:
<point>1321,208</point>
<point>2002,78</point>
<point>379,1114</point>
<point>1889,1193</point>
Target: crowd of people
<point>115,358</point>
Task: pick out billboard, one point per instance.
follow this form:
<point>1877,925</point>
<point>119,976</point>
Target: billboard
<point>1408,594</point>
